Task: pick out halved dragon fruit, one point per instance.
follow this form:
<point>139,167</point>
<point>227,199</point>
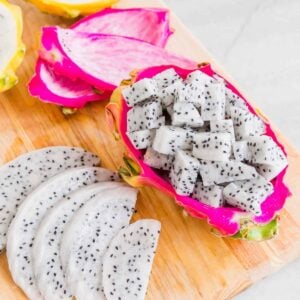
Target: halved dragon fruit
<point>231,219</point>
<point>92,57</point>
<point>148,24</point>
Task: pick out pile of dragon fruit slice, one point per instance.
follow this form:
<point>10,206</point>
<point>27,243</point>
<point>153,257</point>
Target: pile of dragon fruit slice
<point>204,139</point>
<point>65,226</point>
<point>86,62</point>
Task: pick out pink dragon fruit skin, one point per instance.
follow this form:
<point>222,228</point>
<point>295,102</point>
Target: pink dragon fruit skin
<point>93,57</point>
<point>227,221</point>
<point>147,24</point>
<point>53,88</point>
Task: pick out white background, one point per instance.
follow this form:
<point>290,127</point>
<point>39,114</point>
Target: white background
<point>258,44</point>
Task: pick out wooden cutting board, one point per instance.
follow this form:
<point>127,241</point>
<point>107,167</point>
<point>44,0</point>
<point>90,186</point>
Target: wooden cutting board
<point>191,263</point>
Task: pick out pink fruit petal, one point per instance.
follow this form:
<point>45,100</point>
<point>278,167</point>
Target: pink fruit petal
<point>102,60</point>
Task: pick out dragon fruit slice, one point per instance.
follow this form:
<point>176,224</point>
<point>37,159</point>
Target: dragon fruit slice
<point>248,195</point>
<point>141,139</point>
<point>28,171</point>
<point>210,195</point>
<point>158,160</point>
<point>233,100</point>
<point>224,126</point>
<point>166,78</point>
<point>169,139</point>
<point>128,260</point>
<point>186,114</point>
<point>94,59</point>
<point>147,24</point>
<point>23,228</point>
<point>212,146</point>
<point>47,266</point>
<point>184,173</point>
<point>87,237</point>
<point>227,221</point>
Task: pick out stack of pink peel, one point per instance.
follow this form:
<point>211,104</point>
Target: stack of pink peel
<point>86,62</point>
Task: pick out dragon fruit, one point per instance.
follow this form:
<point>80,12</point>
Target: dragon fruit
<point>128,260</point>
<point>166,78</point>
<point>147,24</point>
<point>210,195</point>
<point>186,114</point>
<point>141,139</point>
<point>241,151</point>
<point>144,115</point>
<point>170,93</point>
<point>224,126</point>
<point>94,59</point>
<point>233,100</point>
<point>214,104</point>
<point>212,146</point>
<point>22,230</point>
<point>246,124</point>
<point>46,247</point>
<point>169,139</point>
<point>248,195</point>
<point>87,237</point>
<point>12,48</point>
<point>158,160</point>
<point>28,171</point>
<point>226,220</point>
<point>184,173</point>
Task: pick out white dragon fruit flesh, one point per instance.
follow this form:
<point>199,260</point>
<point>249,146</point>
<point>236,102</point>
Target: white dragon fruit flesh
<point>212,146</point>
<point>128,260</point>
<point>87,237</point>
<point>224,126</point>
<point>186,114</point>
<point>210,195</point>
<point>246,124</point>
<point>248,195</point>
<point>169,139</point>
<point>158,160</point>
<point>217,172</point>
<point>170,93</point>
<point>145,115</point>
<point>140,91</point>
<point>141,139</point>
<point>24,226</point>
<point>233,100</point>
<point>28,171</point>
<point>214,104</point>
<point>166,78</point>
<point>241,151</point>
<point>47,266</point>
<point>184,173</point>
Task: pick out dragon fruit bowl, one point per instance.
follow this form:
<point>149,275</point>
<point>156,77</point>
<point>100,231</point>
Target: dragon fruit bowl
<point>227,217</point>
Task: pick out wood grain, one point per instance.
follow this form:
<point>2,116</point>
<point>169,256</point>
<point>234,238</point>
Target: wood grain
<point>191,263</point>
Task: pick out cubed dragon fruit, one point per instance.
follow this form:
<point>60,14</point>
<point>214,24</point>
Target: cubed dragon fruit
<point>214,104</point>
<point>170,93</point>
<point>210,195</point>
<point>233,100</point>
<point>158,160</point>
<point>140,91</point>
<point>248,195</point>
<point>212,146</point>
<point>169,139</point>
<point>186,114</point>
<point>246,124</point>
<point>225,126</point>
<point>241,151</point>
<point>166,78</point>
<point>184,172</point>
<point>141,139</point>
<point>145,115</point>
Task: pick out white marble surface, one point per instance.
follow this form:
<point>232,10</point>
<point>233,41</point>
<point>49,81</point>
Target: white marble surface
<point>258,43</point>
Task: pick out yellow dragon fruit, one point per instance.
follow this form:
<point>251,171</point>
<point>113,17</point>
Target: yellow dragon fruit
<point>72,8</point>
<point>12,48</point>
